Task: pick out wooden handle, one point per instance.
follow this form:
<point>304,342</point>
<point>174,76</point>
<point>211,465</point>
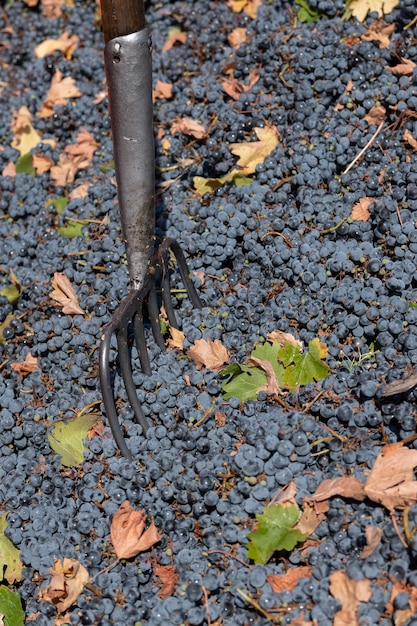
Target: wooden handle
<point>121,17</point>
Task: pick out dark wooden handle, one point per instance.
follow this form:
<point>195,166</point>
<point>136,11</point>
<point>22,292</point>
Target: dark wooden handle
<point>121,17</point>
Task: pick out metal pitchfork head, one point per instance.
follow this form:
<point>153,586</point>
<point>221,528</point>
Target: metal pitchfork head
<point>129,79</point>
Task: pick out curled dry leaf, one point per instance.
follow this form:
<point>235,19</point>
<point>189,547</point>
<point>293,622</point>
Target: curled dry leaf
<point>250,7</point>
<point>65,44</point>
<point>252,153</point>
<point>235,88</point>
<point>42,163</point>
<point>188,126</point>
<point>376,115</point>
<point>271,387</point>
<point>289,580</point>
<point>361,8</point>
<point>128,533</point>
<point>25,136</point>
<point>67,583</point>
<point>30,364</point>
<point>373,538</point>
<point>349,593</point>
<point>379,31</point>
<point>208,353</point>
<point>278,336</point>
<point>175,38</point>
<point>162,90</point>
<point>169,579</point>
<point>408,137</point>
<point>405,68</point>
<point>60,91</point>
<point>177,338</point>
<point>237,37</point>
<point>65,295</point>
<point>83,148</point>
<point>80,192</point>
<point>360,211</point>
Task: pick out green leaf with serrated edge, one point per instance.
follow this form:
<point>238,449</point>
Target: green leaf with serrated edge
<point>306,14</point>
<point>287,353</point>
<point>5,324</point>
<point>11,607</point>
<point>9,555</point>
<point>274,531</point>
<point>269,352</point>
<point>306,368</point>
<point>25,165</point>
<point>67,439</point>
<point>242,381</point>
<point>71,229</point>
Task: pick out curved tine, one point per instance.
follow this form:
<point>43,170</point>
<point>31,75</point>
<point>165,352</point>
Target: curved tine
<point>184,271</point>
<point>126,369</point>
<point>153,313</point>
<point>107,393</point>
<point>166,295</point>
<point>140,342</point>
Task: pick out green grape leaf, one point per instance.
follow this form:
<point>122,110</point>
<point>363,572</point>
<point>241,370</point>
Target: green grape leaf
<point>242,381</point>
<point>5,324</point>
<point>306,14</point>
<point>24,165</point>
<point>59,203</point>
<point>67,439</point>
<point>269,352</point>
<point>274,531</point>
<point>307,367</point>
<point>71,229</point>
<point>9,556</point>
<point>287,353</point>
<point>11,608</point>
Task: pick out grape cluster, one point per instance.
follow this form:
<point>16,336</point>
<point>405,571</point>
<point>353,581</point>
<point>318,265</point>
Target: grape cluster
<point>281,253</point>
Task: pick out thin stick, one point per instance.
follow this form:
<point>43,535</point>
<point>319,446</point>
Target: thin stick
<point>230,556</point>
<point>206,604</point>
<point>364,149</point>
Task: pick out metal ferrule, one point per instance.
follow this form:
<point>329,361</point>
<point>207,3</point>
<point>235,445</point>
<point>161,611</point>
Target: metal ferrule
<point>129,77</point>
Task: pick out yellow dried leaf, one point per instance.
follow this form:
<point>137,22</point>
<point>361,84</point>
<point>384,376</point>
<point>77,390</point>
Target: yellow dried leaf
<point>177,338</point>
<point>65,44</point>
<point>65,295</point>
<point>361,8</point>
<point>42,163</point>
<point>250,7</point>
<point>67,583</point>
<point>208,353</point>
<point>127,532</point>
<point>253,153</point>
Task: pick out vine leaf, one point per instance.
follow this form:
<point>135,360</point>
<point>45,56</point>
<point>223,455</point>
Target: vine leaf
<point>9,555</point>
<point>128,533</point>
<point>307,367</point>
<point>274,531</point>
<point>67,439</point>
<point>242,381</point>
<point>68,580</point>
<point>208,353</point>
<point>65,295</point>
<point>11,608</point>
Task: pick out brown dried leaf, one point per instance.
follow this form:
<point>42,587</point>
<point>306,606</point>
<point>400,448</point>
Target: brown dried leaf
<point>60,91</point>
<point>235,88</point>
<point>271,386</point>
<point>220,418</point>
<point>53,8</point>
<point>66,44</point>
<point>64,172</point>
<point>250,7</point>
<point>83,149</point>
<point>169,579</point>
<point>310,518</point>
<point>9,170</point>
<point>360,211</point>
<point>174,38</point>
<point>289,580</point>
<point>162,90</point>
<point>65,295</point>
<point>391,480</point>
<point>252,153</point>
<point>100,96</point>
<point>25,136</point>
<point>67,583</point>
<point>208,353</point>
<point>408,137</point>
<point>349,593</point>
<point>347,486</point>
<point>373,538</point>
<point>278,336</point>
<point>80,192</point>
<point>30,364</point>
<point>237,37</point>
<point>127,532</point>
<point>405,68</point>
<point>376,115</point>
<point>42,163</point>
<point>379,31</point>
<point>176,340</point>
<point>188,126</point>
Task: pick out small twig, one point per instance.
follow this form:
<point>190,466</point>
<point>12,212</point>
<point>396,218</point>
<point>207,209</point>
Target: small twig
<point>109,567</point>
<point>276,233</point>
<point>313,401</point>
<point>207,414</point>
<point>364,149</point>
<point>406,523</point>
<point>206,604</point>
<point>332,228</point>
<point>230,556</point>
<point>397,530</point>
<point>272,618</point>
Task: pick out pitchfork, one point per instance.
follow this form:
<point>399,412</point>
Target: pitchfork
<point>129,80</point>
